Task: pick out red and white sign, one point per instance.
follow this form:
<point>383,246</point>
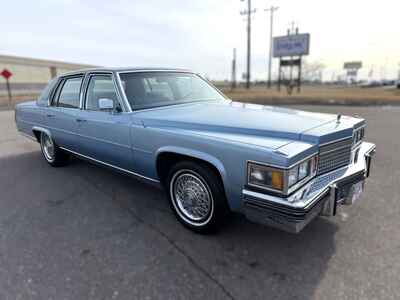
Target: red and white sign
<point>6,74</point>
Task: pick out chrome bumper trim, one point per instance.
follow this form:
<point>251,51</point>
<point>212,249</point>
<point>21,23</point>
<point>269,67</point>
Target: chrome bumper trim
<point>318,197</point>
<point>306,196</point>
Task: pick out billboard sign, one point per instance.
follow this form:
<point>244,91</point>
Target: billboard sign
<point>352,65</point>
<point>291,45</point>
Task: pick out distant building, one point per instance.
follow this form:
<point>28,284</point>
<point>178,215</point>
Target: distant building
<point>31,75</point>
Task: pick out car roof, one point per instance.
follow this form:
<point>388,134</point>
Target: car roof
<point>118,70</point>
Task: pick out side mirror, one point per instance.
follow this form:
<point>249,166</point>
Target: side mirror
<point>118,108</point>
<point>106,104</point>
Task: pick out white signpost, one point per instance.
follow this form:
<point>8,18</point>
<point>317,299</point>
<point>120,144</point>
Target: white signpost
<point>291,45</point>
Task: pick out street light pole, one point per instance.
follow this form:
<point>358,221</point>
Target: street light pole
<point>272,9</point>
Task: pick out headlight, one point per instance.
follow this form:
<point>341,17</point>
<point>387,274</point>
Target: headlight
<point>281,180</point>
<point>265,177</point>
<point>304,169</point>
<point>293,175</point>
<point>358,135</point>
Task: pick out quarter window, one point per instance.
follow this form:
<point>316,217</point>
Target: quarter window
<point>69,93</point>
<point>45,95</point>
<point>100,87</point>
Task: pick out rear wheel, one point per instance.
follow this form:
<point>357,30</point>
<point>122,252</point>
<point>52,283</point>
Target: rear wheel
<point>196,196</point>
<point>55,156</point>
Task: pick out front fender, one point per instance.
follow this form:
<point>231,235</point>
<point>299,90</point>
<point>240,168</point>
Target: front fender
<point>195,154</point>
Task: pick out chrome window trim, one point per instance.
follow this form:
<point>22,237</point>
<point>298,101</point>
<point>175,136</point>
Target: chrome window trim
<point>89,76</point>
<point>121,88</point>
<point>112,166</point>
<point>60,84</point>
<point>52,94</point>
<point>154,70</point>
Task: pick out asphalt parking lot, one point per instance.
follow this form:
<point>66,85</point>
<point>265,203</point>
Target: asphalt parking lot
<point>85,232</point>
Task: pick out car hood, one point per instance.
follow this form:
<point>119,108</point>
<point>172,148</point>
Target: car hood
<point>267,126</point>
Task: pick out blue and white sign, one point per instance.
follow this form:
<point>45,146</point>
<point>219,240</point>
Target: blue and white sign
<point>291,45</point>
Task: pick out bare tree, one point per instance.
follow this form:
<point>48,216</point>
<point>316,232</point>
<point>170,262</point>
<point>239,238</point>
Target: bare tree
<point>312,70</point>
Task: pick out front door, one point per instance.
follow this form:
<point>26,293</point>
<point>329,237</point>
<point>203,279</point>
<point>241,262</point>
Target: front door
<point>105,132</point>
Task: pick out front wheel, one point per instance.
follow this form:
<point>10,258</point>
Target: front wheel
<point>196,196</point>
<point>55,156</point>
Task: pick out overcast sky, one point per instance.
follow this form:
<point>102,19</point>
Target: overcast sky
<point>200,34</point>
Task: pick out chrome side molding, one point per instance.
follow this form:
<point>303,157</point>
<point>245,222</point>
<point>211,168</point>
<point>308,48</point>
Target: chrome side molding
<point>111,166</point>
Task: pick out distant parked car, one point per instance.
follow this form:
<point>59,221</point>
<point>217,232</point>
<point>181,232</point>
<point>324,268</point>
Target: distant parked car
<point>371,84</point>
<point>387,82</point>
<point>277,166</point>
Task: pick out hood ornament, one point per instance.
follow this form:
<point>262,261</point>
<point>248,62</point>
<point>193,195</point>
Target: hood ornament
<point>339,116</point>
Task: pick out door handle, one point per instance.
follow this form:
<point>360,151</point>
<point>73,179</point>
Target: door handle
<point>81,120</point>
<point>50,116</point>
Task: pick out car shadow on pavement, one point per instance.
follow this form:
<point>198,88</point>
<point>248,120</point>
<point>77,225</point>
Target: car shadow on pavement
<point>89,204</point>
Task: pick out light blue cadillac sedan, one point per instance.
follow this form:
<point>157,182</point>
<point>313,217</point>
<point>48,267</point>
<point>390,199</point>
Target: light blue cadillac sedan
<point>277,166</point>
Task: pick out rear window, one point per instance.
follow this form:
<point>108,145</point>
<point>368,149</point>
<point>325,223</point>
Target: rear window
<point>69,94</point>
<point>43,99</point>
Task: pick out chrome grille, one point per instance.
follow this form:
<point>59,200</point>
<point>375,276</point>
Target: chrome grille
<point>334,155</point>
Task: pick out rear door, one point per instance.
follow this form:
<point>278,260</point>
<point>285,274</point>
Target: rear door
<point>62,114</point>
<point>105,134</point>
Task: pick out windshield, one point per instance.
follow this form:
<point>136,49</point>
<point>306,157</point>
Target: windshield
<point>154,89</point>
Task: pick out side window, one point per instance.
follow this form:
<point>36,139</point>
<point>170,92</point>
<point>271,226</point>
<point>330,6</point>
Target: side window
<point>68,93</point>
<point>44,96</point>
<point>100,87</point>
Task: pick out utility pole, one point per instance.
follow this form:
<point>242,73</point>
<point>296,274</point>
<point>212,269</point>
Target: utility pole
<point>272,9</point>
<point>292,31</point>
<point>233,78</point>
<point>398,75</point>
<point>248,13</point>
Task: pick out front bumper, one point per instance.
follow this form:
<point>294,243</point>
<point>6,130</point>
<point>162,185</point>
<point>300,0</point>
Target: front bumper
<point>320,196</point>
